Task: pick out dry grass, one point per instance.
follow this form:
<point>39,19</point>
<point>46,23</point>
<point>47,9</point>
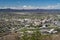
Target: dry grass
<point>14,36</point>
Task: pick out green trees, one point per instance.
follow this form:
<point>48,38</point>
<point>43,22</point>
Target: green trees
<point>36,35</point>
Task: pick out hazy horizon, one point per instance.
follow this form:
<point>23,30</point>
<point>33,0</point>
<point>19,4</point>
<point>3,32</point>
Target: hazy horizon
<point>30,4</point>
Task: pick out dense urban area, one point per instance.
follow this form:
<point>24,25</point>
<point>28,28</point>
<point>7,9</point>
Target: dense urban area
<point>23,26</point>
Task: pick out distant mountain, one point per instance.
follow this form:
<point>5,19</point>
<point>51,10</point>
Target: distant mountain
<point>31,10</point>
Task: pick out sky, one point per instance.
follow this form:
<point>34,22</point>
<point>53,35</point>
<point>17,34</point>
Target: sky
<point>30,4</point>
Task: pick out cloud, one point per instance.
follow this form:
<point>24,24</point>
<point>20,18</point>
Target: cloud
<point>5,7</point>
<point>56,6</point>
<point>28,7</point>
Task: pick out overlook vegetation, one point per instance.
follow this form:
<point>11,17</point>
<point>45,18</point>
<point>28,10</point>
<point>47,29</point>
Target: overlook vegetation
<point>17,27</point>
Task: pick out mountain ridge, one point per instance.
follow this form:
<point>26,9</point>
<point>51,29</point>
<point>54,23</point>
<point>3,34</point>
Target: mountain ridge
<point>30,10</point>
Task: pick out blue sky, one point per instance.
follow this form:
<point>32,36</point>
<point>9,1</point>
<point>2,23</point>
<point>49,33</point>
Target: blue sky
<point>29,4</point>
